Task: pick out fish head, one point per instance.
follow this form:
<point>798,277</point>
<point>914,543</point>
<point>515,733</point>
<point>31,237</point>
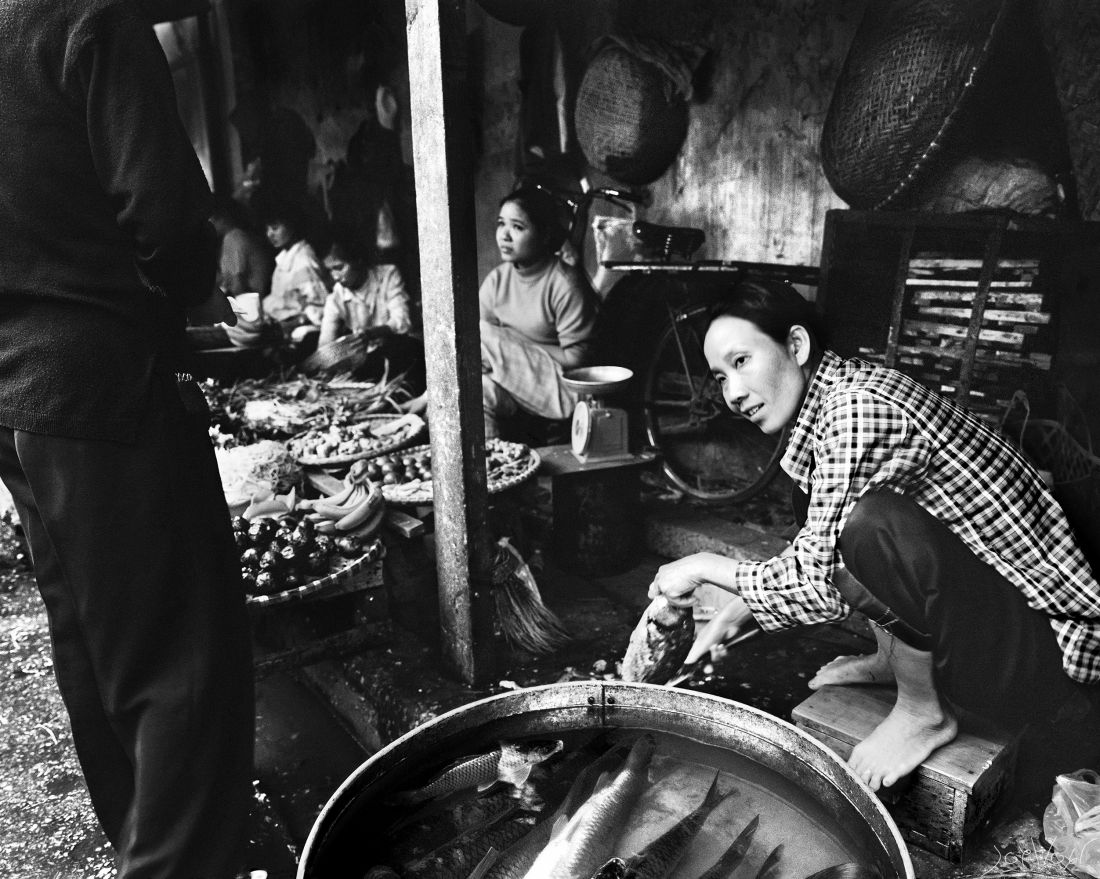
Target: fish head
<point>531,752</point>
<point>613,869</point>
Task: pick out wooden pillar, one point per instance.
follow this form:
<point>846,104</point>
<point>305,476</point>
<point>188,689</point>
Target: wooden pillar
<point>442,162</point>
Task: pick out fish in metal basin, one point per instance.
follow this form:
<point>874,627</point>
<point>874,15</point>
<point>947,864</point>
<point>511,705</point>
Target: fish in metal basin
<point>659,643</point>
<point>658,859</point>
<point>511,762</point>
<point>771,862</point>
<point>588,839</point>
<point>846,871</point>
<point>515,861</point>
<point>735,854</point>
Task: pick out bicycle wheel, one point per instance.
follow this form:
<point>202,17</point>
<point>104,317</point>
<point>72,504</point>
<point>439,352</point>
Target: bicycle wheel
<point>706,449</point>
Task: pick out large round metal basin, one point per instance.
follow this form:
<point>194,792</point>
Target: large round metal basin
<point>797,758</point>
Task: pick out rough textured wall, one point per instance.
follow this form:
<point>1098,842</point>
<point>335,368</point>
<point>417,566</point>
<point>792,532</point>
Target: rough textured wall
<point>749,172</point>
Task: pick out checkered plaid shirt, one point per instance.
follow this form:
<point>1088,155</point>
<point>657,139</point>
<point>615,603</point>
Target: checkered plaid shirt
<point>864,427</point>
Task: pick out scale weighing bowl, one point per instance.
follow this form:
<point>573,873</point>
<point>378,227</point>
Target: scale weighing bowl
<point>597,381</point>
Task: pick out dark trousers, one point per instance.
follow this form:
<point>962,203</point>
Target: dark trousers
<point>134,559</point>
<point>992,653</point>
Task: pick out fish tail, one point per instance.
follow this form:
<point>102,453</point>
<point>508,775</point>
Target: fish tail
<point>770,862</point>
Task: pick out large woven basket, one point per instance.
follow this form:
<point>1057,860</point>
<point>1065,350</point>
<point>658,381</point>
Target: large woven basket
<point>630,120</point>
<point>912,68</point>
<point>338,357</point>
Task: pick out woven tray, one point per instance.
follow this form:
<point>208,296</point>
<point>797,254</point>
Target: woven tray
<point>342,577</point>
<point>399,441</point>
<point>418,493</point>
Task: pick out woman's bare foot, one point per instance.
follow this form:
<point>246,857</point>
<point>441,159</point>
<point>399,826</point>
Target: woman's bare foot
<point>873,668</point>
<point>904,740</point>
<point>919,722</point>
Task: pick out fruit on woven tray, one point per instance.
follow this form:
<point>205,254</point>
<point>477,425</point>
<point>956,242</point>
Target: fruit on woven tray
<point>286,552</point>
<point>413,467</point>
<point>357,507</point>
<point>364,437</point>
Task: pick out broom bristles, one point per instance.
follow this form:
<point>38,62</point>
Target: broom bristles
<point>524,620</point>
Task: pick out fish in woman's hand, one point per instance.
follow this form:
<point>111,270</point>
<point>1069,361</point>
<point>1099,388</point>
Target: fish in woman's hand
<point>658,859</point>
<point>588,839</point>
<point>511,762</point>
<point>735,854</point>
<point>659,643</point>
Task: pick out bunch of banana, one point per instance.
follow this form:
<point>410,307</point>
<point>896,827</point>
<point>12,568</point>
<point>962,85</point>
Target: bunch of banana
<point>357,508</point>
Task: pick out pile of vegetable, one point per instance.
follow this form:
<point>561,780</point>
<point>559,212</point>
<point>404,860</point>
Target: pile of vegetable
<point>358,439</point>
<point>254,409</point>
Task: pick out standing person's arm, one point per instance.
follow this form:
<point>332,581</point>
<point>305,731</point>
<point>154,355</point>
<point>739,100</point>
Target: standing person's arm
<point>146,163</point>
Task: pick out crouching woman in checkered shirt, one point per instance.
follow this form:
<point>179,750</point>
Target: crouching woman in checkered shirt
<point>915,512</point>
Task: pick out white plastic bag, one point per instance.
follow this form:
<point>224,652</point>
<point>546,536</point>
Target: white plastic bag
<point>1071,823</point>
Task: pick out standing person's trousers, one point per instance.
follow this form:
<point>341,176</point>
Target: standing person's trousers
<point>134,558</point>
<point>992,654</point>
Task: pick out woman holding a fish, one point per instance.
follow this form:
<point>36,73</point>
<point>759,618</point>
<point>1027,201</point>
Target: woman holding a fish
<point>914,511</point>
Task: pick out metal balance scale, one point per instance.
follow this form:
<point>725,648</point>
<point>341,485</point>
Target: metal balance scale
<point>599,432</point>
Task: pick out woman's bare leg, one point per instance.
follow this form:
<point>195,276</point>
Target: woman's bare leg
<point>872,668</point>
<point>919,723</point>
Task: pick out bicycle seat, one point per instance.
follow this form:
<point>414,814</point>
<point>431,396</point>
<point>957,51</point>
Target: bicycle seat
<point>669,241</point>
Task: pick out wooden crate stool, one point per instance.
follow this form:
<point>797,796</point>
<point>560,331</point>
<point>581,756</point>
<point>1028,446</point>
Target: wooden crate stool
<point>597,510</point>
<point>953,791</point>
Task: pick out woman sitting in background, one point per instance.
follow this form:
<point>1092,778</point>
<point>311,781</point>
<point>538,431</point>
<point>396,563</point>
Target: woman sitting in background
<point>370,299</point>
<point>365,296</point>
<point>538,314</point>
<point>299,286</point>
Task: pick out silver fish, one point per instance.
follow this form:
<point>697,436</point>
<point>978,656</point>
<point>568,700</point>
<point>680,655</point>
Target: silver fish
<point>659,643</point>
<point>770,862</point>
<point>511,762</point>
<point>589,837</point>
<point>735,854</point>
<point>518,858</point>
<point>658,859</point>
<point>846,871</point>
<point>464,854</point>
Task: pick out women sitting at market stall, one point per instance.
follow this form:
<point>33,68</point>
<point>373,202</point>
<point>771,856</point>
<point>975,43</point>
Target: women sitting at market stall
<point>916,512</point>
<point>299,286</point>
<point>370,300</point>
<point>538,315</point>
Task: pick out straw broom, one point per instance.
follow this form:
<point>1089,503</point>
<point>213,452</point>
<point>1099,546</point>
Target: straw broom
<point>526,623</point>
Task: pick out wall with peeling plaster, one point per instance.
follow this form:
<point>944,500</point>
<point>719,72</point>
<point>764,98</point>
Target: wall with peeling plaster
<point>748,173</point>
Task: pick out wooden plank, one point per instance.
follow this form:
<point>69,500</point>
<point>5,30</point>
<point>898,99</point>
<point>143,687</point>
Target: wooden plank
<point>1000,298</point>
<point>323,482</point>
<point>897,306</point>
<point>446,221</point>
<point>947,262</point>
<point>931,328</point>
<point>991,315</point>
<point>965,282</point>
<point>404,525</point>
